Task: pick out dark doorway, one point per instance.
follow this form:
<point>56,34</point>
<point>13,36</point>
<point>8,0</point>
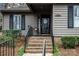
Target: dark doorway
<point>45,25</point>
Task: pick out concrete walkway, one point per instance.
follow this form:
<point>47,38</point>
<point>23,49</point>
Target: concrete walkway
<point>36,54</point>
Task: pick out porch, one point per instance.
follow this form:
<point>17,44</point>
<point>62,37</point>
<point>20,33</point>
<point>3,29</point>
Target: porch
<point>43,13</point>
<point>42,32</point>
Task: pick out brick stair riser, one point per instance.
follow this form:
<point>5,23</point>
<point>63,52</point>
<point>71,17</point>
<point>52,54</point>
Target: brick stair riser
<point>38,48</point>
<point>35,44</point>
<point>39,41</point>
<point>40,37</point>
<point>38,45</point>
<point>38,51</point>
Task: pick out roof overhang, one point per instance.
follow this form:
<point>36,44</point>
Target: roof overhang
<point>17,9</point>
<point>41,8</point>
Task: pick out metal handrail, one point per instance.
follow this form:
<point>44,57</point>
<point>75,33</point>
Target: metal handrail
<point>44,48</point>
<point>29,33</point>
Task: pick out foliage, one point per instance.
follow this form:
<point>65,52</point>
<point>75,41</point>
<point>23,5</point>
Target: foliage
<point>77,40</point>
<point>56,50</point>
<point>12,33</point>
<point>4,38</point>
<point>9,35</point>
<point>21,51</point>
<point>68,41</point>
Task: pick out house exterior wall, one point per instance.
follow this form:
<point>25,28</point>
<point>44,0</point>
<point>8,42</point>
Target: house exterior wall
<point>60,23</point>
<point>30,19</point>
<point>5,22</point>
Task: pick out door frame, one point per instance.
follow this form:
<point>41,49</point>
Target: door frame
<point>49,24</point>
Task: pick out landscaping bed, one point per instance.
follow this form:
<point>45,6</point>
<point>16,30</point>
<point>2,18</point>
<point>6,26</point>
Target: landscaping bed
<point>69,46</point>
<point>69,52</point>
<point>13,45</point>
<point>19,44</point>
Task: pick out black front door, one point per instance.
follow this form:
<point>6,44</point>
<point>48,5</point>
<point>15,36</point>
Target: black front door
<point>45,25</point>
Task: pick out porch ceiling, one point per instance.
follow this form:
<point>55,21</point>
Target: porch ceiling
<point>41,8</point>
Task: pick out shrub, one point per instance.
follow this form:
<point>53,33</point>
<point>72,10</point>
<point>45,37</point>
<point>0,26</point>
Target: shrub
<point>9,35</point>
<point>4,38</point>
<point>21,51</point>
<point>68,41</point>
<point>12,33</point>
<point>56,50</point>
<point>77,40</point>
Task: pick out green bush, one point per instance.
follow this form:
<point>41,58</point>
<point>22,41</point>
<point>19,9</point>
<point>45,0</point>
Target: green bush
<point>9,35</point>
<point>77,40</point>
<point>12,33</point>
<point>4,38</point>
<point>68,41</point>
<point>56,50</point>
<point>21,51</point>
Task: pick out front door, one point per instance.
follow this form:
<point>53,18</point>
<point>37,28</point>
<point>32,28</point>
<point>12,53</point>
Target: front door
<point>45,26</point>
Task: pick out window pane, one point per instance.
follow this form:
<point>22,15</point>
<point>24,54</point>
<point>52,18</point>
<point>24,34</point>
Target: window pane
<point>77,11</point>
<point>76,23</point>
<point>76,16</point>
<point>17,22</point>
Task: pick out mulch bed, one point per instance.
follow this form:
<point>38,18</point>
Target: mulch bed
<point>69,52</point>
<point>20,43</point>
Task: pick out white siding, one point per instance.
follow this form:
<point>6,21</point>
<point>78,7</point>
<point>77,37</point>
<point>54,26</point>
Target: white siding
<point>60,24</point>
<point>6,22</point>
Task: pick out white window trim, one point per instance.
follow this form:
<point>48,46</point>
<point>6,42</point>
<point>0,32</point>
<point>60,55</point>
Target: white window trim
<point>15,26</point>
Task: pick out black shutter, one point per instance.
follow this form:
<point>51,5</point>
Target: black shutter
<point>70,16</point>
<point>23,22</point>
<point>11,22</point>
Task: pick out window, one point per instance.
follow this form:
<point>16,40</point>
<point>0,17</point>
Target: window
<point>17,22</point>
<point>76,16</point>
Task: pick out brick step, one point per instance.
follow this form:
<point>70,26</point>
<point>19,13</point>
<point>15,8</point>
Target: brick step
<point>38,47</point>
<point>39,41</point>
<point>40,38</point>
<point>37,51</point>
<point>34,49</point>
<point>35,44</point>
